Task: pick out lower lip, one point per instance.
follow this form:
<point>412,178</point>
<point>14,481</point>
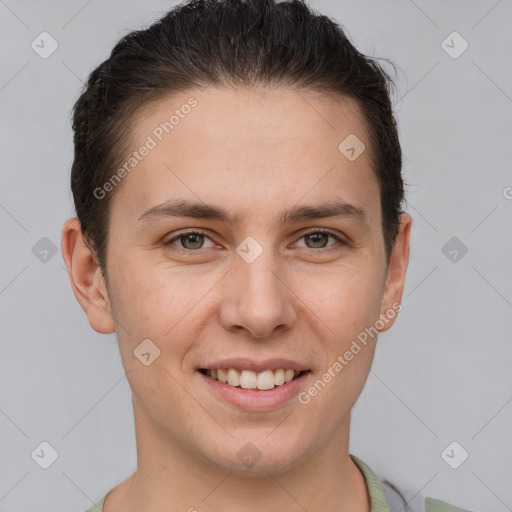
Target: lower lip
<point>255,400</point>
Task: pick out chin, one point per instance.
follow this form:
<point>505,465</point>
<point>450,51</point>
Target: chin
<point>258,453</point>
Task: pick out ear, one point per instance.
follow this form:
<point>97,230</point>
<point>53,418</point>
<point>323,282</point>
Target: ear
<point>86,278</point>
<point>397,267</point>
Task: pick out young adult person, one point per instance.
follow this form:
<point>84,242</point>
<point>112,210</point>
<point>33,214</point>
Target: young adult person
<point>238,190</point>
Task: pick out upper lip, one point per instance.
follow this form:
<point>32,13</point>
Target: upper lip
<point>243,363</point>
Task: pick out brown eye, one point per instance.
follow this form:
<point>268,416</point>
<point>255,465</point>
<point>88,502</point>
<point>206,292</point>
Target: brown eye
<point>190,240</point>
<point>194,239</point>
<point>318,239</point>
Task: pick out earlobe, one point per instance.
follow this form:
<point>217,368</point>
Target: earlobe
<point>397,267</point>
<point>86,278</point>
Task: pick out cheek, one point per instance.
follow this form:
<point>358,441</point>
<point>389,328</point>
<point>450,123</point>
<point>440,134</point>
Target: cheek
<point>158,303</point>
<point>347,299</point>
<point>343,308</point>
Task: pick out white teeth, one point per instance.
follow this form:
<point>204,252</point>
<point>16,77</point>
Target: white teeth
<point>288,375</point>
<point>247,379</point>
<point>233,377</point>
<point>279,377</point>
<point>265,380</point>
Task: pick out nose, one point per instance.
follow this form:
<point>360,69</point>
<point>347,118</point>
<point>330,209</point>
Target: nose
<point>256,298</point>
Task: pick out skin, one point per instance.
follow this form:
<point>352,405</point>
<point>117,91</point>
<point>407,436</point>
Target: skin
<point>254,152</point>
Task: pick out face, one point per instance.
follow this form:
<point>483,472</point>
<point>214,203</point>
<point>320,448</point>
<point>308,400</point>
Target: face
<point>269,279</point>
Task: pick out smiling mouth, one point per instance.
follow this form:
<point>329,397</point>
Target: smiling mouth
<point>247,379</point>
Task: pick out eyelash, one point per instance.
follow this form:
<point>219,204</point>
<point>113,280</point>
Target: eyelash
<point>199,232</point>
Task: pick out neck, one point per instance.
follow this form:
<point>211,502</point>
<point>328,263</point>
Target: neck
<point>169,473</point>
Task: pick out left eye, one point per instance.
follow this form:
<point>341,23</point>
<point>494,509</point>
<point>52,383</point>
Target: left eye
<point>316,238</point>
<point>192,240</point>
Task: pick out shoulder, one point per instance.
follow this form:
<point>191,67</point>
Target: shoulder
<point>98,507</point>
<point>434,505</point>
<point>397,502</point>
<point>385,497</point>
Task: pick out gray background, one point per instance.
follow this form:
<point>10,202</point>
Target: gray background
<point>441,374</point>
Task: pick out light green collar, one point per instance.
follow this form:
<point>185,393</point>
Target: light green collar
<point>379,502</point>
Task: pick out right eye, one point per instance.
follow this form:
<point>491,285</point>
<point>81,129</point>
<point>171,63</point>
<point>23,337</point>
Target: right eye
<point>193,238</point>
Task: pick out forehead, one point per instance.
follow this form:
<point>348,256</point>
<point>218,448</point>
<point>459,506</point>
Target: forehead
<point>252,147</point>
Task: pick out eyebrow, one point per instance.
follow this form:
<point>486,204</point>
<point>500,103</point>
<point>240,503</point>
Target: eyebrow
<point>195,210</point>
